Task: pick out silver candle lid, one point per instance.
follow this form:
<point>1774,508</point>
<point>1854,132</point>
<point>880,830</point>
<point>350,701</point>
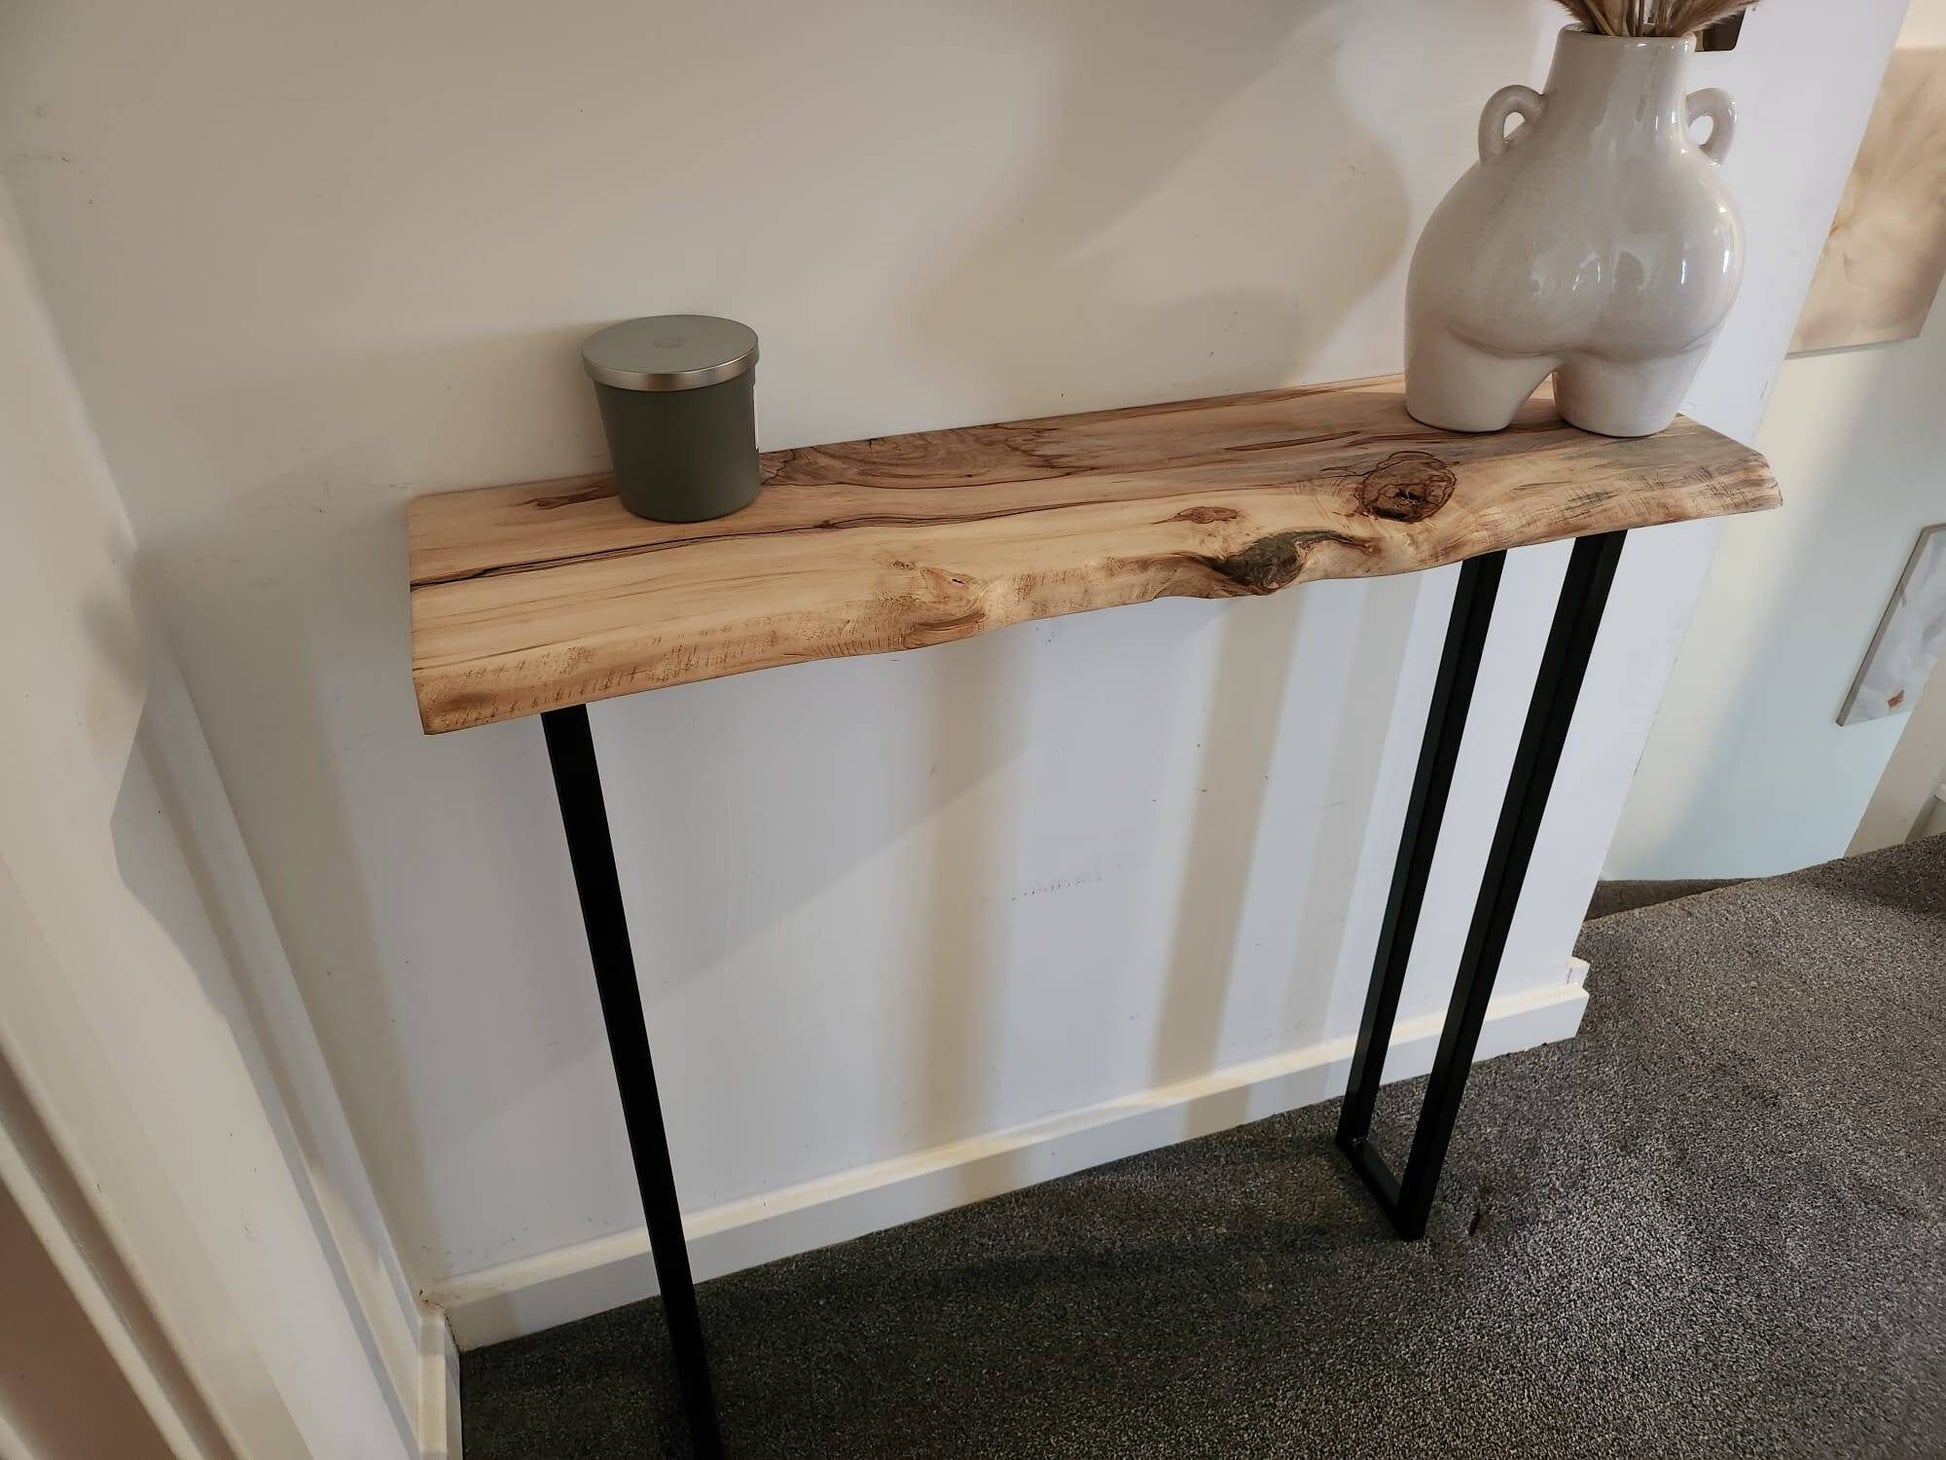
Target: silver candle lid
<point>670,352</point>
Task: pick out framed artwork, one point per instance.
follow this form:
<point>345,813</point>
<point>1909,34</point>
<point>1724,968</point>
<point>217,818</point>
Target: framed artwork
<point>1886,255</point>
<point>1909,637</point>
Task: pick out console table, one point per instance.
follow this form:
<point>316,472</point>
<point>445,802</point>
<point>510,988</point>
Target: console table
<point>540,599</point>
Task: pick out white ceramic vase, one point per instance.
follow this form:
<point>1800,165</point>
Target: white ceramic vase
<point>1597,244</point>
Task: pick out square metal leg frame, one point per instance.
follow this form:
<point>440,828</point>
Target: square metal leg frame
<point>1407,1198</point>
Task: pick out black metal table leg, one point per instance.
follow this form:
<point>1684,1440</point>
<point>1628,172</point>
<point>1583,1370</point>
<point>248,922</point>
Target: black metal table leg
<point>577,783</point>
<point>1564,664</point>
<point>1452,696</point>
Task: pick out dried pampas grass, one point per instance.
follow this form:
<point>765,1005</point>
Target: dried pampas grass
<point>1651,17</point>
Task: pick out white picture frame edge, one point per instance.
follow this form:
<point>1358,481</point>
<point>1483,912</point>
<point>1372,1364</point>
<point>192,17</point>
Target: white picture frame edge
<point>1848,712</point>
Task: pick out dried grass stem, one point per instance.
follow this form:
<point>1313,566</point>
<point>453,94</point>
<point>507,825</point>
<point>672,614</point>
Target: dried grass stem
<point>1651,17</point>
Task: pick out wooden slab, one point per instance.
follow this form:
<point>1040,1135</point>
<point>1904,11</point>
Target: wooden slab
<point>537,597</point>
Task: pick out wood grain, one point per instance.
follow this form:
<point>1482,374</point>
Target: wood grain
<point>536,597</point>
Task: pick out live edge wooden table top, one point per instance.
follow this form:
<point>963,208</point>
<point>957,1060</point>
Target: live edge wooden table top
<point>547,595</point>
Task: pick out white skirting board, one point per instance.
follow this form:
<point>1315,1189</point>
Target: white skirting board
<point>438,1389</point>
<point>557,1287</point>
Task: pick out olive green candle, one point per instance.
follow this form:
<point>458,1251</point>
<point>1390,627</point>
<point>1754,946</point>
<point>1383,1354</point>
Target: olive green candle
<point>679,409</point>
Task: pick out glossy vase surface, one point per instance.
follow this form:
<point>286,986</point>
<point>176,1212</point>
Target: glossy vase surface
<point>1597,243</point>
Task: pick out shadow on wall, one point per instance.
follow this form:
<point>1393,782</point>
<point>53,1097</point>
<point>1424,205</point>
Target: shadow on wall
<point>158,827</point>
<point>1282,815</point>
<point>1345,789</point>
<point>370,827</point>
<point>977,728</point>
<point>1042,294</point>
<point>1233,783</point>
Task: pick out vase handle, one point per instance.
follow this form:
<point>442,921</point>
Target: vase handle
<point>1721,108</point>
<point>1521,101</point>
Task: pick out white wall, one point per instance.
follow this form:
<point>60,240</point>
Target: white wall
<point>311,260</point>
<point>1748,772</point>
<point>213,1233</point>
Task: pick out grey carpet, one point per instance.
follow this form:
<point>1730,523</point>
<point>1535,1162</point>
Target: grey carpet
<point>1712,1225</point>
<point>1626,896</point>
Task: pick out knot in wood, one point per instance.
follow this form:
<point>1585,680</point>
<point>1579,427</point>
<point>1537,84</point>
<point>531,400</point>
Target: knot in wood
<point>1276,561</point>
<point>1408,486</point>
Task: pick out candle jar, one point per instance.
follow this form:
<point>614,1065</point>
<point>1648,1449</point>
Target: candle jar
<point>678,406</point>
